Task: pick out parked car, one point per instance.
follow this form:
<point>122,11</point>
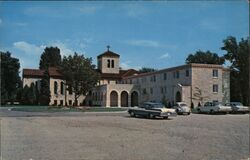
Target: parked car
<point>182,108</point>
<point>151,110</point>
<point>214,107</point>
<point>238,107</point>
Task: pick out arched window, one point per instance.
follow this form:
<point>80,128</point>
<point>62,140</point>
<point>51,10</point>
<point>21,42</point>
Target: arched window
<point>55,87</point>
<point>112,64</point>
<point>62,88</point>
<point>108,63</point>
<point>70,89</point>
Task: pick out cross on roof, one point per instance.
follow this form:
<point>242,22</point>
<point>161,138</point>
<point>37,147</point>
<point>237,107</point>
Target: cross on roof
<point>108,46</point>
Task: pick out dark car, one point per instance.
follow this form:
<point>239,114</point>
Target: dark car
<point>151,110</point>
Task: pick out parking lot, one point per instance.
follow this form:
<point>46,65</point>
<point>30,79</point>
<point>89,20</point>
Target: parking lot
<point>117,136</point>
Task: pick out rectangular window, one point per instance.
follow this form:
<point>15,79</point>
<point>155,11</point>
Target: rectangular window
<point>55,102</point>
<point>187,73</point>
<point>215,73</point>
<point>173,74</point>
<point>162,90</point>
<point>215,88</point>
<point>177,74</point>
<point>165,76</point>
<point>70,102</point>
<point>144,91</point>
<point>151,90</point>
<point>61,102</point>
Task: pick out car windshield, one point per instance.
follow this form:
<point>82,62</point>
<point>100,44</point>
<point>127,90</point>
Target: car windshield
<point>158,106</point>
<point>183,105</point>
<point>237,104</point>
<point>218,103</point>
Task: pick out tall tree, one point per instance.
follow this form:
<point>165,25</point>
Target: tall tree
<point>44,94</point>
<point>80,74</point>
<point>205,58</point>
<point>146,69</point>
<point>238,55</point>
<point>10,79</point>
<point>51,57</point>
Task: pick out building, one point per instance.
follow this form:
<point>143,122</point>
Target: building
<point>191,83</point>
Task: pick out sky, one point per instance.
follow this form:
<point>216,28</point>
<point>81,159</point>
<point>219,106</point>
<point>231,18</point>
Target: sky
<point>155,34</point>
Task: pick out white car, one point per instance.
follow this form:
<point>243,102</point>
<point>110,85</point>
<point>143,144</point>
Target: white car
<point>182,108</point>
<point>238,107</point>
<point>214,107</point>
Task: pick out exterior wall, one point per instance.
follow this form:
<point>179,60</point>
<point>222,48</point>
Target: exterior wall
<point>61,97</point>
<point>106,81</point>
<point>101,94</point>
<point>163,86</point>
<point>203,79</point>
<point>28,81</point>
<point>104,65</point>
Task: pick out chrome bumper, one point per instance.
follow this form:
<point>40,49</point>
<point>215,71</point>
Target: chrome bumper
<point>168,114</point>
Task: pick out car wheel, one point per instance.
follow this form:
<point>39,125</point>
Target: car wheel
<point>188,113</point>
<point>132,114</point>
<point>211,112</point>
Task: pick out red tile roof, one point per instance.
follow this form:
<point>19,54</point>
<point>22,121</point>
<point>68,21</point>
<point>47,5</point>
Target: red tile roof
<point>119,76</point>
<point>108,54</point>
<point>39,73</point>
<point>33,73</point>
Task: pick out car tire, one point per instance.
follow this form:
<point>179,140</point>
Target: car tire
<point>132,114</point>
<point>211,111</point>
<point>188,113</point>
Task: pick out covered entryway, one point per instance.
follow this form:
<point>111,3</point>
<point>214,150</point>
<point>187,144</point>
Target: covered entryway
<point>113,99</point>
<point>124,99</point>
<point>134,99</point>
<point>178,97</point>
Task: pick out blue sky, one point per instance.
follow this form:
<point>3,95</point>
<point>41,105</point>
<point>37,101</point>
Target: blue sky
<point>146,34</point>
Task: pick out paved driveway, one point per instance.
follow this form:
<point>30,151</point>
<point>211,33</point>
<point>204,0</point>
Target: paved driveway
<point>117,136</point>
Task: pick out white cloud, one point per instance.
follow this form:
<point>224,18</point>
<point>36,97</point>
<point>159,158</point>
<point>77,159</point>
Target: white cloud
<point>64,49</point>
<point>144,43</point>
<point>127,65</point>
<point>28,48</point>
<point>164,56</point>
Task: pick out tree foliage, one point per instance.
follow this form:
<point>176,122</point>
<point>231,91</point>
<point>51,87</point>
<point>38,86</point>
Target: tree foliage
<point>51,57</point>
<point>10,80</point>
<point>44,94</point>
<point>79,73</point>
<point>238,55</point>
<point>146,69</point>
<point>205,58</point>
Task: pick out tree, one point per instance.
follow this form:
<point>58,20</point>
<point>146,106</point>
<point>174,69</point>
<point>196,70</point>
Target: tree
<point>205,58</point>
<point>10,79</point>
<point>79,73</point>
<point>44,94</point>
<point>51,57</point>
<point>238,55</point>
<point>146,69</point>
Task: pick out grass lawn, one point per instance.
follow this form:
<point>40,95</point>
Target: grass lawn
<point>58,109</point>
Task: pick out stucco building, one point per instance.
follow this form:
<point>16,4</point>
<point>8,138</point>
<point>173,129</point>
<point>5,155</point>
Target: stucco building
<point>191,83</point>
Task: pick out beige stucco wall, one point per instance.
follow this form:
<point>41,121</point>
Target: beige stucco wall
<point>104,63</point>
<point>28,81</point>
<point>204,80</point>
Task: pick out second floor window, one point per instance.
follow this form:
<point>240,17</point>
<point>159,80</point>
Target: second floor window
<point>62,88</point>
<point>177,74</point>
<point>215,88</point>
<point>187,73</point>
<point>112,64</point>
<point>215,73</point>
<point>165,76</point>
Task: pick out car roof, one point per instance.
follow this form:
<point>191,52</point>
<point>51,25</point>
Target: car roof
<point>151,103</point>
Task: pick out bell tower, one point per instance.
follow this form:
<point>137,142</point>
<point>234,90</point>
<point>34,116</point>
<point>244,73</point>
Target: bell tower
<point>108,62</point>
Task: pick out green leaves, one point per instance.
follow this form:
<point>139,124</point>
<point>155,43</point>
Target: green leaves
<point>205,58</point>
<point>51,57</point>
<point>10,80</point>
<point>79,72</point>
